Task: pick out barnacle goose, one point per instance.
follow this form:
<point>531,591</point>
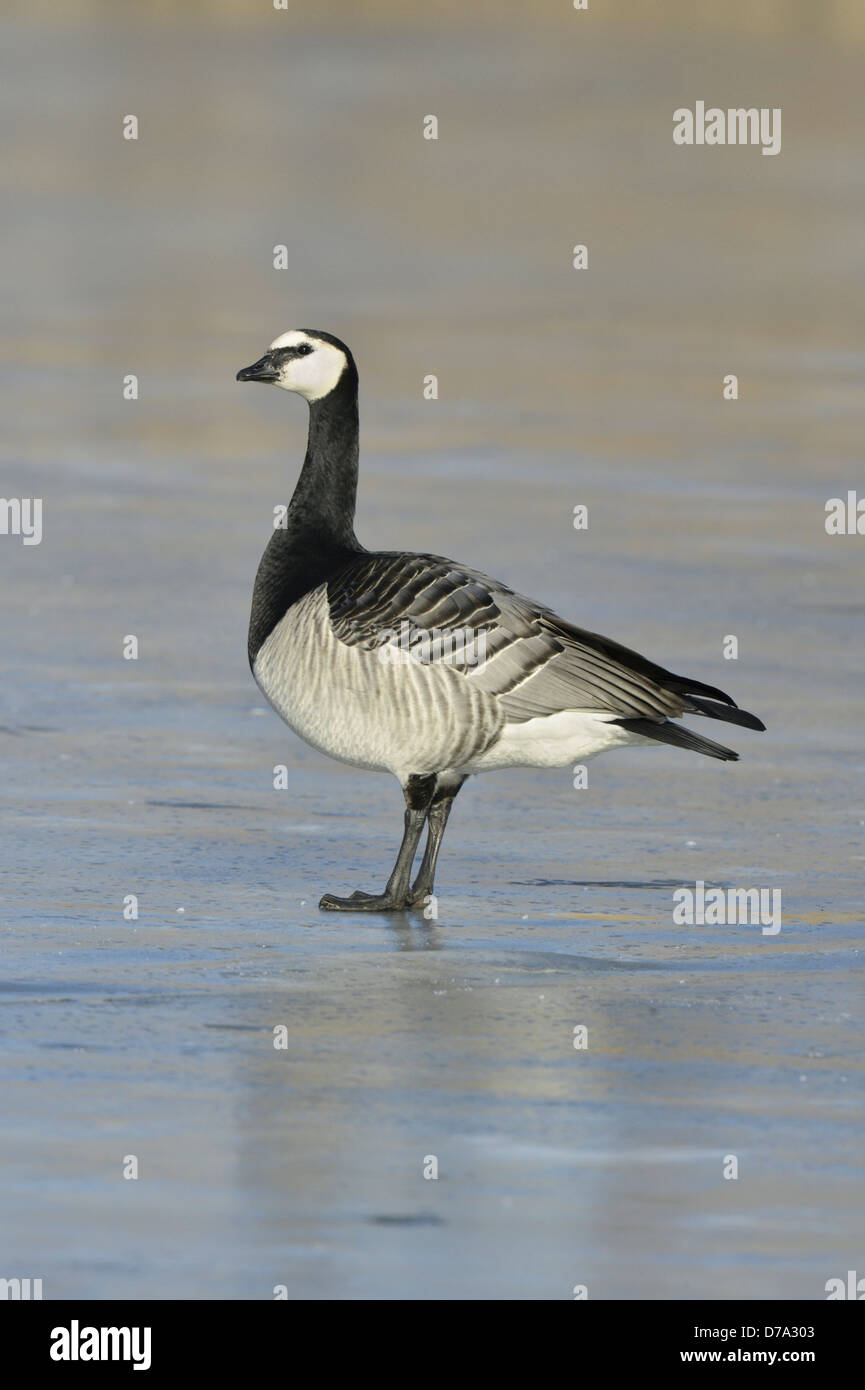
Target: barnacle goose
<point>418,666</point>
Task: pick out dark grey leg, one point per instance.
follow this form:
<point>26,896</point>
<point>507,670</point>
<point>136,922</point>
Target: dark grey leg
<point>436,822</point>
<point>418,792</point>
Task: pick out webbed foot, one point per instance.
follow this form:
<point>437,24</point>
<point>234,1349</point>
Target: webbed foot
<point>364,902</point>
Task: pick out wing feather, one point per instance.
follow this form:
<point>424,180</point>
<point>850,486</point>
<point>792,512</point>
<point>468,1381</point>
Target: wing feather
<point>512,648</point>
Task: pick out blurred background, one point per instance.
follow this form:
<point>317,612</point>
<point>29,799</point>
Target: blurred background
<point>153,1037</point>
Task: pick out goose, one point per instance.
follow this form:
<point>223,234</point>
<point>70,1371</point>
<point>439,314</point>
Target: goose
<point>422,667</point>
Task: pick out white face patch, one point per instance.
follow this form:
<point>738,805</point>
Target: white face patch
<point>313,375</point>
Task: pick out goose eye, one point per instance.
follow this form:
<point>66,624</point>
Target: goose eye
<point>304,350</point>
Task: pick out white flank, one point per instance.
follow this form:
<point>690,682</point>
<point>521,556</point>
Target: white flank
<point>555,740</point>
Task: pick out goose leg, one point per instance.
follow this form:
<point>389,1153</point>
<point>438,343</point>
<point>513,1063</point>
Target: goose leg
<point>418,792</point>
<point>437,819</point>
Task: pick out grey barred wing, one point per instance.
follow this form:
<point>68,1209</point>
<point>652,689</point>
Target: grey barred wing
<point>423,605</point>
<point>505,645</point>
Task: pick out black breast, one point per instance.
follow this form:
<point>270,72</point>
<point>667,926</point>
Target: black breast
<point>290,567</point>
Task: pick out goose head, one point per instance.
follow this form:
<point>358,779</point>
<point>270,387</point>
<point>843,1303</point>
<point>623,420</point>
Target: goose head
<point>304,361</point>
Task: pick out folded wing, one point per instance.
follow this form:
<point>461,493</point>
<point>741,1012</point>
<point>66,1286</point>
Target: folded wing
<point>533,662</point>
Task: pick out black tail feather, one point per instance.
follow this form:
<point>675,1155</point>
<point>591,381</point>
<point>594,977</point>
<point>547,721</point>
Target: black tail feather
<point>663,731</point>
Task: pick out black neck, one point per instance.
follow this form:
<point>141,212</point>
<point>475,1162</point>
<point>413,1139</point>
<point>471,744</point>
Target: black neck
<point>318,536</point>
<point>324,500</point>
